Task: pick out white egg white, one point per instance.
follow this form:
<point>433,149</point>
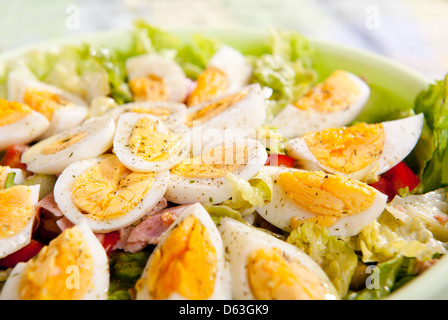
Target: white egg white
<point>97,288</point>
<point>23,131</point>
<point>99,133</point>
<point>294,122</point>
<point>63,197</point>
<point>241,119</point>
<point>163,68</point>
<point>126,125</point>
<point>281,209</point>
<point>63,118</point>
<point>22,238</point>
<point>235,66</point>
<point>184,190</point>
<point>401,136</point>
<point>222,287</point>
<point>241,239</point>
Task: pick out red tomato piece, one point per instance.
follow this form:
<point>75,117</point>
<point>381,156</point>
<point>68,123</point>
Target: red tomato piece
<point>22,255</point>
<point>12,157</point>
<point>280,160</point>
<point>109,240</point>
<point>402,176</point>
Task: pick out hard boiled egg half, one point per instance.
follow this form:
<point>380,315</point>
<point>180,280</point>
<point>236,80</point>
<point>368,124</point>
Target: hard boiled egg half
<point>143,143</point>
<point>188,262</point>
<point>61,108</point>
<point>359,151</point>
<point>203,178</point>
<point>106,194</point>
<point>238,114</point>
<point>52,155</point>
<point>342,205</point>
<point>17,216</point>
<point>74,266</point>
<point>264,267</point>
<point>153,77</point>
<point>335,102</point>
<point>19,124</point>
<point>227,71</point>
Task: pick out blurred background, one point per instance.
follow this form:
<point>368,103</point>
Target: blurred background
<point>414,32</point>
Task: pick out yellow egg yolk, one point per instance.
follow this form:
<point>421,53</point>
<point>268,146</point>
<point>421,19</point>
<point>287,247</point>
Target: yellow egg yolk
<point>109,190</point>
<point>62,144</point>
<point>61,271</point>
<point>214,164</point>
<point>336,93</point>
<point>327,196</point>
<point>149,88</point>
<point>185,263</point>
<point>347,149</point>
<point>44,102</point>
<point>11,111</point>
<point>214,108</point>
<point>210,84</point>
<point>150,144</point>
<point>16,210</point>
<point>159,112</point>
<point>272,276</point>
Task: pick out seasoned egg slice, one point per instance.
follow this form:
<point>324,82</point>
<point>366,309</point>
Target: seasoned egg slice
<point>74,266</point>
<point>106,194</point>
<point>335,102</point>
<point>17,215</point>
<point>19,124</point>
<point>342,205</point>
<point>264,267</point>
<point>188,262</point>
<point>203,178</point>
<point>61,108</point>
<point>143,143</point>
<point>235,115</point>
<point>153,77</point>
<point>228,71</point>
<point>359,151</point>
<point>88,140</point>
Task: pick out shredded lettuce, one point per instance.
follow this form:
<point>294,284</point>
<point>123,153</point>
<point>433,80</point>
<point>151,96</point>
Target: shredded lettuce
<point>336,258</point>
<point>385,278</point>
<point>407,227</point>
<point>272,139</point>
<point>286,69</point>
<point>248,195</point>
<point>431,151</point>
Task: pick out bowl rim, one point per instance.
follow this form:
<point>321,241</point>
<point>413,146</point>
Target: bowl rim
<point>419,287</point>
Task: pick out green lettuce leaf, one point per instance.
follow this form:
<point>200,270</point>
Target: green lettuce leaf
<point>336,258</point>
<point>408,227</point>
<point>385,278</point>
<point>286,69</point>
<point>430,152</point>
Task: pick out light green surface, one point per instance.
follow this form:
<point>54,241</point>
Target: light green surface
<point>390,82</point>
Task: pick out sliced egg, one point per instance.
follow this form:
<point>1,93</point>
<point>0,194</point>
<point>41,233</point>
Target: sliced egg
<point>338,203</point>
<point>61,108</point>
<point>171,113</point>
<point>73,266</point>
<point>153,77</point>
<point>264,267</point>
<point>238,114</point>
<point>359,151</point>
<point>335,102</point>
<point>88,140</point>
<point>17,215</point>
<point>106,194</point>
<point>203,178</point>
<point>228,71</point>
<point>188,262</point>
<point>143,143</point>
<point>19,124</point>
